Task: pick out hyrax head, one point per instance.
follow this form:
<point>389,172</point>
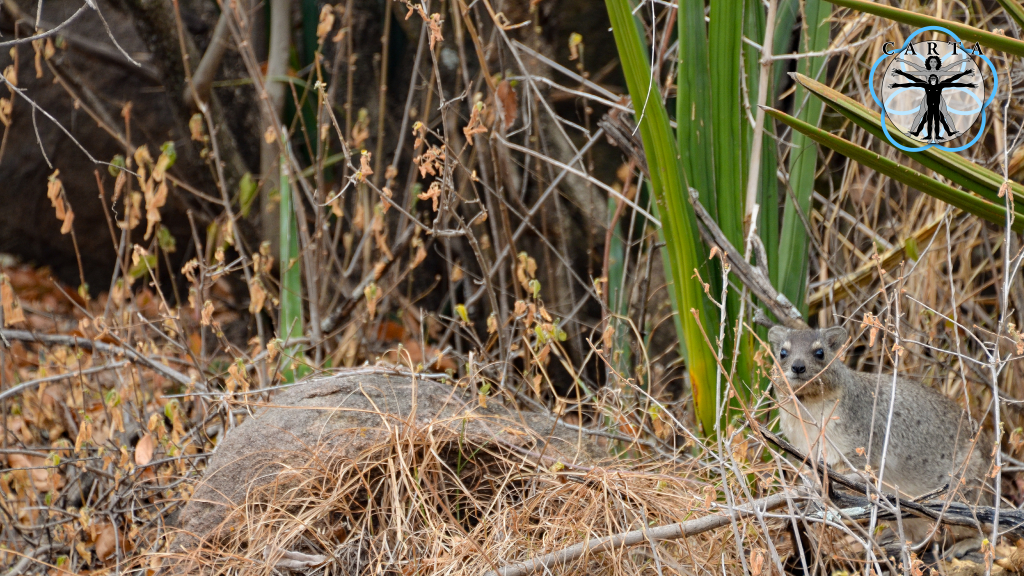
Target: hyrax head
<point>804,354</point>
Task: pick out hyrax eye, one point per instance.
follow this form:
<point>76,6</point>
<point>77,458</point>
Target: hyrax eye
<point>783,353</point>
<point>819,354</point>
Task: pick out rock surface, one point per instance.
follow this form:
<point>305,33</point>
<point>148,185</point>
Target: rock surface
<point>343,416</point>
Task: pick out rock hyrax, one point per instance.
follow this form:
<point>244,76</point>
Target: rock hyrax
<point>931,442</point>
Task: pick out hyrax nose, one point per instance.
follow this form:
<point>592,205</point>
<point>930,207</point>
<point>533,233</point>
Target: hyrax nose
<point>798,367</point>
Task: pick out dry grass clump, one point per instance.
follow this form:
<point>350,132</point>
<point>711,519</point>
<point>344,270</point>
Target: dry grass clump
<point>427,500</point>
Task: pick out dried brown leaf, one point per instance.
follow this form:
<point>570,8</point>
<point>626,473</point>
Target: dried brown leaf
<point>105,540</point>
<point>257,295</point>
<point>13,313</point>
<point>435,30</point>
<point>326,22</point>
<point>144,450</point>
<point>364,166</point>
<point>433,194</point>
<point>508,106</point>
<point>6,106</point>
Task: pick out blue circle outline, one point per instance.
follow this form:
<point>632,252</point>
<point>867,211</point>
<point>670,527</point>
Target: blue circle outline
<point>995,88</point>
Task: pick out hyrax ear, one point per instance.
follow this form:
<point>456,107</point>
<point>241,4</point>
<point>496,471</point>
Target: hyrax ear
<point>835,336</point>
<point>777,335</point>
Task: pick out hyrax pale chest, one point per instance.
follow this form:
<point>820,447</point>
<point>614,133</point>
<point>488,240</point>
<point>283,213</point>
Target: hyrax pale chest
<point>843,417</point>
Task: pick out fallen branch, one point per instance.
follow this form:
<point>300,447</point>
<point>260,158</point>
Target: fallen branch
<point>857,507</point>
<point>754,278</point>
<point>58,377</point>
<point>669,532</point>
<point>60,340</point>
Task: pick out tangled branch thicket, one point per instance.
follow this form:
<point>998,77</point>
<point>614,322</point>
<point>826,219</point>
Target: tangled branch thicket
<point>459,209</point>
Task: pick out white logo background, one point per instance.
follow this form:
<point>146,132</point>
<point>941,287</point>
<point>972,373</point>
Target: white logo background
<point>907,106</point>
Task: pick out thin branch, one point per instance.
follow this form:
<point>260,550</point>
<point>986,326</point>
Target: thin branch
<point>48,33</point>
<point>61,340</point>
<point>669,532</point>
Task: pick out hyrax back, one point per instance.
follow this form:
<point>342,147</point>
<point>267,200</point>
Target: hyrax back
<point>931,442</point>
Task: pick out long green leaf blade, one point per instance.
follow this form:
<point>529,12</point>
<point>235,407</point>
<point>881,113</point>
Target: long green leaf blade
<point>768,181</point>
<point>971,176</point>
<point>958,198</point>
<point>730,143</point>
<point>967,34</point>
<point>291,275</point>
<point>1014,9</point>
<point>791,273</point>
<point>693,105</point>
<point>725,37</point>
<point>683,246</point>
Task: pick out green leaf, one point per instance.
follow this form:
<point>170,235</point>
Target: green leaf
<point>949,164</point>
<point>246,193</point>
<point>730,144</point>
<point>167,149</point>
<point>728,140</point>
<point>683,249</point>
<point>116,165</point>
<point>910,247</point>
<point>967,34</point>
<point>1014,9</point>
<point>791,273</point>
<point>693,105</point>
<point>112,398</point>
<point>166,240</point>
<point>963,200</point>
<point>291,275</point>
<point>143,266</point>
<point>170,408</point>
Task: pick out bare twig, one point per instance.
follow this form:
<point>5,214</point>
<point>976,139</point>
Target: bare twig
<point>753,278</point>
<point>669,532</point>
<point>61,340</point>
<point>56,29</point>
<point>954,513</point>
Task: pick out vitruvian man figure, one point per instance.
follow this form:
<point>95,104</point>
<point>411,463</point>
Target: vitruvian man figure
<point>934,113</point>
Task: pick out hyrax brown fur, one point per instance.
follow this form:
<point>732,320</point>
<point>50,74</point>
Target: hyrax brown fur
<point>931,442</point>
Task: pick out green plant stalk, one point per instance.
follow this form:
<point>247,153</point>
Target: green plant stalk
<point>965,201</point>
<point>1014,9</point>
<point>291,273</point>
<point>683,247</point>
<point>967,34</point>
<point>971,176</point>
<point>791,273</point>
<point>767,180</point>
